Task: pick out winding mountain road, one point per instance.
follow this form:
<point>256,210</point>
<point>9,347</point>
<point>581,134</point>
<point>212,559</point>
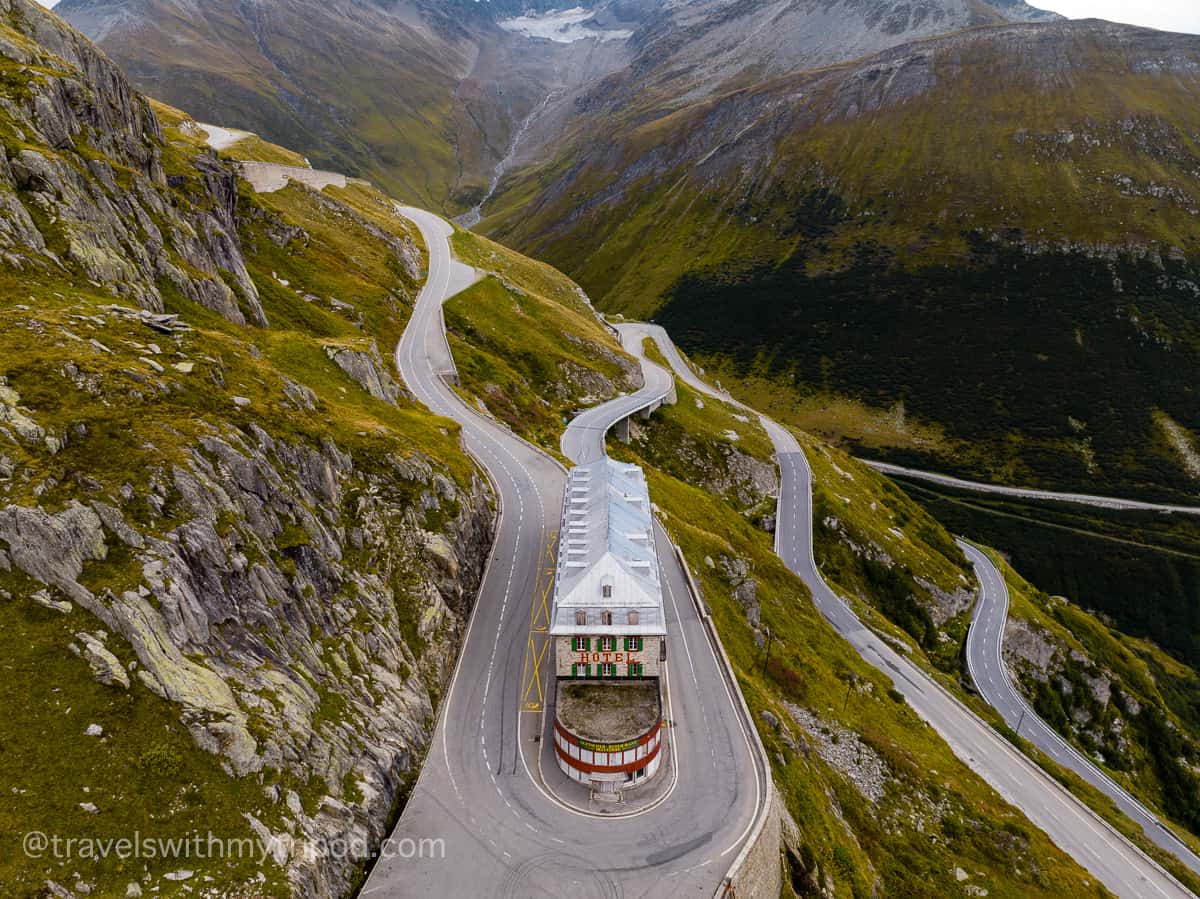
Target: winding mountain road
<point>1091,841</point>
<point>1084,499</point>
<point>489,788</point>
<point>985,642</point>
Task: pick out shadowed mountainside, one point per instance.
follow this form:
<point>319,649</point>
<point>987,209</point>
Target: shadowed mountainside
<point>924,235</point>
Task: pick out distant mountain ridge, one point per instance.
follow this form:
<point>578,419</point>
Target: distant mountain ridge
<point>426,96</point>
<point>718,39</point>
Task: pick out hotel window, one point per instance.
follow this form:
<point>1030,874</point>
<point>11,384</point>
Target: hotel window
<point>633,616</point>
<point>607,644</point>
<point>581,644</point>
<point>634,669</point>
<point>608,669</point>
<point>633,644</point>
<point>578,670</point>
<point>580,618</point>
<point>606,617</point>
<point>606,591</point>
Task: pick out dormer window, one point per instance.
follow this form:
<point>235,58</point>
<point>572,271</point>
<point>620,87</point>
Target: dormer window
<point>606,591</point>
<point>580,618</point>
<point>606,618</point>
<point>633,616</point>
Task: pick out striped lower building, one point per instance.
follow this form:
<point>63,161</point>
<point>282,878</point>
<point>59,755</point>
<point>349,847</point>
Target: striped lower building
<point>608,624</point>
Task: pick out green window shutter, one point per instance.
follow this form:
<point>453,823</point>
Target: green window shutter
<point>625,643</point>
<point>587,644</point>
<point>589,670</point>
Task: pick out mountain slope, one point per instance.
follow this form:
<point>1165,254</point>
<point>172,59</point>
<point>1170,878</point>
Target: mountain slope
<point>421,97</point>
<point>453,85</point>
<point>924,233</point>
<point>696,47</point>
<point>275,69</point>
<point>235,559</point>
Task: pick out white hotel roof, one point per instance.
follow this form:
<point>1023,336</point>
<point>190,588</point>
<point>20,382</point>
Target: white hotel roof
<point>607,538</point>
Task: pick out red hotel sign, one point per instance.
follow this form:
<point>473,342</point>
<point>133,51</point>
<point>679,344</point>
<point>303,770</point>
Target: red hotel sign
<point>606,657</point>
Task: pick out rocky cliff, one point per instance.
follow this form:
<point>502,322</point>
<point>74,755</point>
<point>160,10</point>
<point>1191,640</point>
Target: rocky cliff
<point>236,560</point>
<point>82,183</point>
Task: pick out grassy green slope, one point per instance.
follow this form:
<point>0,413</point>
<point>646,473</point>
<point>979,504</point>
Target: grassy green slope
<point>527,343</point>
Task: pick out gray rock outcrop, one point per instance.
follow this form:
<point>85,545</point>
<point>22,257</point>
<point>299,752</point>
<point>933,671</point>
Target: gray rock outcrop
<point>366,367</point>
<point>89,167</point>
<point>106,667</point>
<point>300,608</point>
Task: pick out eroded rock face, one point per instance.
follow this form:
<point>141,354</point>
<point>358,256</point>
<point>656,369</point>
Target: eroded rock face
<point>301,609</point>
<point>1030,649</point>
<point>366,367</point>
<point>86,191</point>
<point>1041,661</point>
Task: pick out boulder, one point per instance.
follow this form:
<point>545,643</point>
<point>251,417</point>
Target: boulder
<point>106,668</point>
<point>367,369</point>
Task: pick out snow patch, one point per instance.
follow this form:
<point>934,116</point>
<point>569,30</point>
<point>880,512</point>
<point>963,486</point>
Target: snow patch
<point>565,26</point>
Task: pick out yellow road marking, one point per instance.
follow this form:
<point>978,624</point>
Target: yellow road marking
<point>535,681</point>
<point>532,693</point>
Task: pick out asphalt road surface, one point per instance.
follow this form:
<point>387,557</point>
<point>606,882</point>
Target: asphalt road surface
<point>1086,499</point>
<point>487,790</point>
<point>1091,841</point>
<point>984,643</point>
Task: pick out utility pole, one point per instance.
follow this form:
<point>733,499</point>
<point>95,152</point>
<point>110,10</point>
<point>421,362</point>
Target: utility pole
<point>767,654</point>
<point>849,687</point>
<point>1020,721</point>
